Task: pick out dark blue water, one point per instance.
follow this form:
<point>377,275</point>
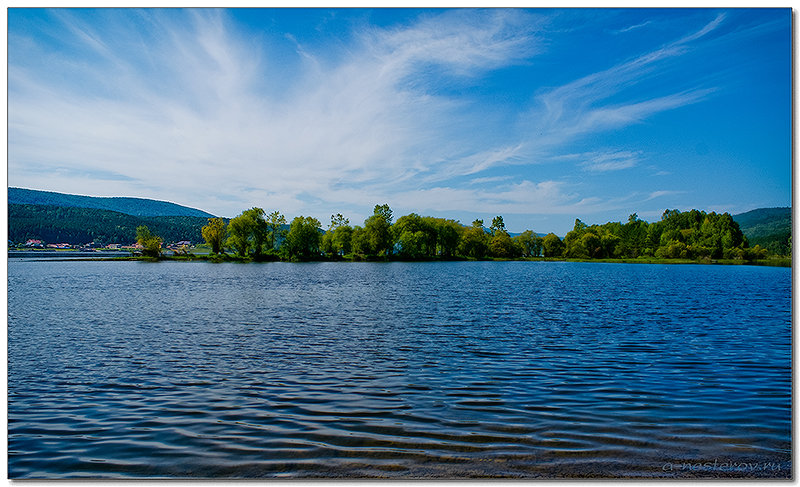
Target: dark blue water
<point>532,369</point>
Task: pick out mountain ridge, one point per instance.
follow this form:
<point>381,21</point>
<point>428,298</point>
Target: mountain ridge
<point>770,228</point>
<point>141,207</point>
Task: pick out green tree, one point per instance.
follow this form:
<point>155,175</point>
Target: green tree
<point>337,240</point>
<point>359,242</point>
<point>342,238</point>
<point>303,239</point>
<point>474,241</point>
<point>412,244</point>
<point>377,231</point>
<point>338,220</point>
<point>274,230</point>
<point>448,235</point>
<point>502,245</point>
<point>248,231</point>
<point>634,238</point>
<point>611,246</point>
<point>573,245</point>
<point>214,234</point>
<point>151,244</point>
<point>497,225</point>
<point>326,244</point>
<point>590,245</point>
<point>529,243</point>
<point>239,234</point>
<point>415,236</point>
<point>552,246</point>
<point>384,211</point>
<point>259,230</point>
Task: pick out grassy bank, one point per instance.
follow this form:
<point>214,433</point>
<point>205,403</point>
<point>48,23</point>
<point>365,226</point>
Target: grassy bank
<point>220,258</point>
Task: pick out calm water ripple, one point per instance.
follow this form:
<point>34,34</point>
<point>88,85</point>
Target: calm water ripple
<point>510,369</point>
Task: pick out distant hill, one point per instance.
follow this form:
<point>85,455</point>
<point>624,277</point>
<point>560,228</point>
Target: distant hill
<point>78,226</point>
<point>127,206</point>
<point>770,228</point>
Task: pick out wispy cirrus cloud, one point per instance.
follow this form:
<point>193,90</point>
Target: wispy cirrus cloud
<point>632,27</point>
<point>189,105</point>
<point>192,97</point>
<point>662,193</point>
<point>196,104</point>
<point>583,106</point>
<point>461,41</point>
<point>605,161</point>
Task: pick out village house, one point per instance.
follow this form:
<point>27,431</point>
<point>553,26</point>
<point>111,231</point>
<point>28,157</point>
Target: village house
<point>59,246</point>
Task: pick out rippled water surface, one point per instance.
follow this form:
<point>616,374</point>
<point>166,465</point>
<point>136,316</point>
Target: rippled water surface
<point>132,369</point>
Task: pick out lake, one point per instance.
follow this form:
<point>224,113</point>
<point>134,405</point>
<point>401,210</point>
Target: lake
<point>400,370</point>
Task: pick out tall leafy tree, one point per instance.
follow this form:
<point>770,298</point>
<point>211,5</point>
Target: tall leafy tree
<point>377,230</point>
<point>359,242</point>
<point>572,241</point>
<point>151,244</point>
<point>275,231</point>
<point>338,220</point>
<point>383,211</point>
<point>248,231</point>
<point>258,230</point>
<point>239,234</point>
<point>336,240</point>
<point>552,246</point>
<point>502,245</point>
<point>497,225</point>
<point>634,238</point>
<point>342,238</point>
<point>474,242</point>
<point>530,244</point>
<point>214,234</point>
<point>304,238</point>
<point>415,236</point>
<point>448,236</point>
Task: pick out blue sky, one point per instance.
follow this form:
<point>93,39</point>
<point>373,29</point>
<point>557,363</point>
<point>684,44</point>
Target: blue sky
<point>539,115</point>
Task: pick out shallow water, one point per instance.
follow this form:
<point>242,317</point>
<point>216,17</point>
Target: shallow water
<point>532,369</point>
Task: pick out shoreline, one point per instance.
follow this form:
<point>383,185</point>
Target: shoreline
<point>225,258</point>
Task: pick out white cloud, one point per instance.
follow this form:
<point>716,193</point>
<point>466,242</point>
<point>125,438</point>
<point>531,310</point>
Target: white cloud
<point>582,106</point>
<point>177,105</point>
<point>187,116</point>
<point>633,27</point>
<point>609,160</point>
<point>493,179</point>
<point>662,193</point>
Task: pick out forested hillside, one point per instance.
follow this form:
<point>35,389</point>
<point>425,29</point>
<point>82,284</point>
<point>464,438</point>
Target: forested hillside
<point>128,206</point>
<point>57,224</point>
<point>769,227</point>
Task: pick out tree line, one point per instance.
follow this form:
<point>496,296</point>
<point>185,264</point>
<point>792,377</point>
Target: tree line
<point>678,235</point>
<point>256,235</point>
